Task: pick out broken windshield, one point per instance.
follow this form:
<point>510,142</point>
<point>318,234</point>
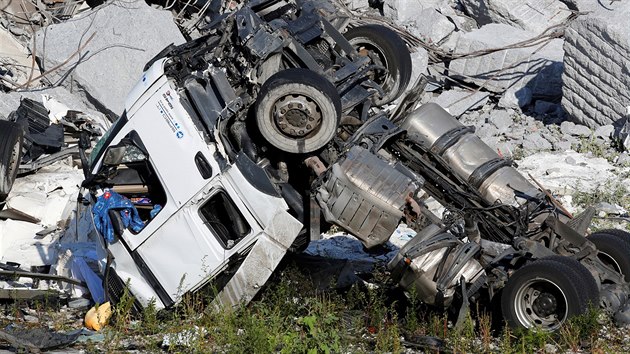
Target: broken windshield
<point>98,150</point>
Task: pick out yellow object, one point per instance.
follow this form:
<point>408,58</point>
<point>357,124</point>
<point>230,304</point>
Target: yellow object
<point>98,316</point>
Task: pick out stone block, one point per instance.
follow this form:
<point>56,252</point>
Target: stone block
<point>126,36</point>
<point>530,15</point>
<point>597,66</point>
<point>539,67</point>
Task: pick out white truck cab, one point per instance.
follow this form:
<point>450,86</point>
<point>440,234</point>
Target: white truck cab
<point>202,214</point>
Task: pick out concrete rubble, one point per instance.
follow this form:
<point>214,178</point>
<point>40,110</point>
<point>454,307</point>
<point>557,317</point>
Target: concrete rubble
<point>597,53</point>
<point>531,15</point>
<point>538,67</point>
<point>124,36</point>
<point>456,102</point>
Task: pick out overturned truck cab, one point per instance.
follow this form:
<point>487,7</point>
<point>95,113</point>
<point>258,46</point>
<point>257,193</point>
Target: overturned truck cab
<point>192,215</point>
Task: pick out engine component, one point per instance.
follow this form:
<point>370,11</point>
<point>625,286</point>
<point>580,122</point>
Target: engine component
<point>433,263</point>
<point>365,195</point>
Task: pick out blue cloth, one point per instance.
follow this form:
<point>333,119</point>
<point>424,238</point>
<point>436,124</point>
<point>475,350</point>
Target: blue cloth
<point>112,200</point>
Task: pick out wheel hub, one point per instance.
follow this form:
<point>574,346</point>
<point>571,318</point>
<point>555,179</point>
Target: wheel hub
<point>545,305</point>
<point>296,116</point>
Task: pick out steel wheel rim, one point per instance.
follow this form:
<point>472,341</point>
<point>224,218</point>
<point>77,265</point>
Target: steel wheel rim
<point>609,261</point>
<point>296,116</point>
<point>532,308</point>
<point>385,79</point>
<point>14,161</point>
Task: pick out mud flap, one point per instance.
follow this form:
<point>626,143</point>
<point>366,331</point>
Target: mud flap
<point>261,261</point>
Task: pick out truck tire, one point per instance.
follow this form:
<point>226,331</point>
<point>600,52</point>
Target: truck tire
<point>298,110</point>
<point>591,290</point>
<point>385,48</point>
<point>543,294</point>
<point>613,249</point>
<point>11,139</point>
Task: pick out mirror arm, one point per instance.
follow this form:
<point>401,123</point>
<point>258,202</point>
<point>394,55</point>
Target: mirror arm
<point>84,144</point>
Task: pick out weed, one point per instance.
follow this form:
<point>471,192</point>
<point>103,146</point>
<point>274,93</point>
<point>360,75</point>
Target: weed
<point>595,147</point>
<point>485,329</point>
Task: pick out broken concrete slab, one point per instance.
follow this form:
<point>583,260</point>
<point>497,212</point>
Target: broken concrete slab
<point>456,102</point>
<point>9,102</point>
<point>432,27</point>
<point>125,36</point>
<point>502,119</point>
<point>536,142</point>
<point>571,128</point>
<point>419,63</point>
<point>14,61</point>
<point>530,15</point>
<point>405,10</point>
<point>516,98</point>
<point>562,175</point>
<point>539,67</point>
<point>20,244</point>
<point>49,195</point>
<point>597,53</point>
<point>605,132</point>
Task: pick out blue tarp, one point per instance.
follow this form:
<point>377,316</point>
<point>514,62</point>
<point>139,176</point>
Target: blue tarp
<point>111,200</point>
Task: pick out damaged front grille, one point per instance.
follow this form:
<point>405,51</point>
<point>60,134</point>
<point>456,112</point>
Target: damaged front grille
<point>116,290</point>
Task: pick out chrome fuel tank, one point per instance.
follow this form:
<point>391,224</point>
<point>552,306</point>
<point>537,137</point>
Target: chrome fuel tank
<point>468,156</point>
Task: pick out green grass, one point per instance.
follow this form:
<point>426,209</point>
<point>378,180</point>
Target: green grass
<point>291,316</point>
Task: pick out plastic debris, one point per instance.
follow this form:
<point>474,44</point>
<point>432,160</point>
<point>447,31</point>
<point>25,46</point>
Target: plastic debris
<point>98,316</point>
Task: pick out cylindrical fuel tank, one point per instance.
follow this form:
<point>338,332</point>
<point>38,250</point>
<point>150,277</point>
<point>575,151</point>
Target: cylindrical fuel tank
<point>468,156</point>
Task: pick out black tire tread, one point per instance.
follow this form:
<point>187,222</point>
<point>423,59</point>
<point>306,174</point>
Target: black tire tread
<point>560,273</point>
<point>591,293</point>
<point>10,134</point>
<point>616,246</point>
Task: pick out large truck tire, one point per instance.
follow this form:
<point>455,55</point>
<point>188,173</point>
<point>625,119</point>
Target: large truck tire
<point>544,294</point>
<point>298,110</point>
<point>387,49</point>
<point>11,139</point>
<point>613,248</point>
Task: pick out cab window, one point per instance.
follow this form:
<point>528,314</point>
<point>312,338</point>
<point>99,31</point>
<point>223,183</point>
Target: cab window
<point>223,218</point>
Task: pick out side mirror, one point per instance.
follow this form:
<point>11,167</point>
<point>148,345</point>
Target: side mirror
<point>118,154</point>
<point>84,144</point>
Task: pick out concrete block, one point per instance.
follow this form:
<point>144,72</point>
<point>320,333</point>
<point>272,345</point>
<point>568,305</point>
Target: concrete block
<point>571,128</point>
<point>516,98</point>
<point>539,67</point>
<point>605,131</point>
<point>9,102</point>
<point>597,66</point>
<point>456,102</point>
<point>530,15</point>
<point>432,27</point>
<point>501,119</point>
<point>419,63</point>
<point>405,10</point>
<point>126,36</point>
<point>536,142</point>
